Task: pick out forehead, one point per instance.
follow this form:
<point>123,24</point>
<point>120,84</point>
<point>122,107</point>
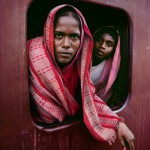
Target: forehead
<point>106,37</point>
<point>67,22</point>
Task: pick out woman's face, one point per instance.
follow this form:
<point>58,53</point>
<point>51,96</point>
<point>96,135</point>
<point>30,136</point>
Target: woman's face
<point>67,39</point>
<point>104,46</point>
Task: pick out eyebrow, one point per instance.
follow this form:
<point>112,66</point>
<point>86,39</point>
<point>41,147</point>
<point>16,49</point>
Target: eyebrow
<point>74,33</point>
<point>59,32</point>
<point>110,41</point>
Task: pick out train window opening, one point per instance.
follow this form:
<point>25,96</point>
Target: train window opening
<point>98,16</point>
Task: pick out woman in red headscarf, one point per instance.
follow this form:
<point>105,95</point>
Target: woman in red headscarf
<point>58,62</point>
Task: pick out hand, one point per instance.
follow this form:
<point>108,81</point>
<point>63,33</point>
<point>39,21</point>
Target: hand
<point>126,137</point>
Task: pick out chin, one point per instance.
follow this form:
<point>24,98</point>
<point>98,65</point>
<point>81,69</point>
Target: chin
<point>99,57</point>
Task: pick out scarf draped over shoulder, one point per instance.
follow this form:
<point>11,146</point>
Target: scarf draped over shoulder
<point>49,89</point>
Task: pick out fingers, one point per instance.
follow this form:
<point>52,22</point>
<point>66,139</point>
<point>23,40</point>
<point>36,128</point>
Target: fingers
<point>127,144</point>
<point>109,142</point>
<point>123,143</point>
<point>131,144</point>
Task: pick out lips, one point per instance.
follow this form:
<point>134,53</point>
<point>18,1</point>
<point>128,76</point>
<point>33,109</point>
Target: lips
<point>99,54</point>
<point>64,54</point>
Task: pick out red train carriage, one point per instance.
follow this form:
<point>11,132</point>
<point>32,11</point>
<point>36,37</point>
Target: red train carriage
<point>23,20</point>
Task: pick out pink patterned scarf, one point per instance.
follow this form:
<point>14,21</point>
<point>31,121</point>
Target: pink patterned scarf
<point>48,84</point>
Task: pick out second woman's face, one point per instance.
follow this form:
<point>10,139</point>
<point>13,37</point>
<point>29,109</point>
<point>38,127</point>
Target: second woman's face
<point>67,39</point>
<point>104,46</point>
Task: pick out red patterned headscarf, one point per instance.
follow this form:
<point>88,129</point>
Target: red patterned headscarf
<point>49,89</point>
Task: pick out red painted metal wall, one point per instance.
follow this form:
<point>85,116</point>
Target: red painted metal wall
<point>17,131</point>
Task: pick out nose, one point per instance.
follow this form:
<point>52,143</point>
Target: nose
<point>103,44</point>
<point>66,43</point>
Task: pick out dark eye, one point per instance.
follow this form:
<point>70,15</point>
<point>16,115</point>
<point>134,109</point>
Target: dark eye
<point>75,37</point>
<point>100,40</point>
<point>58,35</point>
<point>109,44</point>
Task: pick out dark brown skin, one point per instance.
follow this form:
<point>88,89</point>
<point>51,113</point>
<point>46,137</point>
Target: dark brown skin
<point>67,40</point>
<point>103,47</point>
